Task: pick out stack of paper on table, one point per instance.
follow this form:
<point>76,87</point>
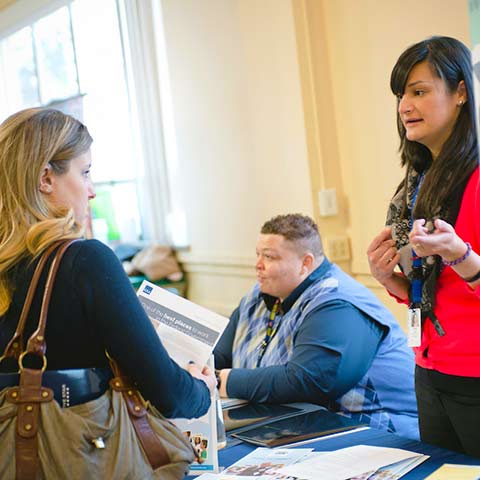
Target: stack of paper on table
<point>353,463</point>
<point>394,471</point>
<point>360,463</point>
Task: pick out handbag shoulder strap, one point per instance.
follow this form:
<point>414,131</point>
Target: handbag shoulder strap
<point>15,346</point>
<point>30,393</point>
<point>36,344</point>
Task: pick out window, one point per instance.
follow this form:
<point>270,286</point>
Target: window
<point>19,71</point>
<point>75,58</point>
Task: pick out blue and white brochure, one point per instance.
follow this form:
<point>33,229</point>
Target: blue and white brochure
<point>202,433</point>
<point>187,330</point>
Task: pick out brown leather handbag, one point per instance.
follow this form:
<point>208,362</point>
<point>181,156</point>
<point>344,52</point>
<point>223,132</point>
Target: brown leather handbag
<point>115,436</point>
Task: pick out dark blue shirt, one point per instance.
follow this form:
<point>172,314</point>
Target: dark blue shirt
<point>332,350</point>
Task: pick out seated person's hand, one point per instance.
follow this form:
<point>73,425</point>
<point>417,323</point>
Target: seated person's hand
<point>205,374</point>
<point>223,375</point>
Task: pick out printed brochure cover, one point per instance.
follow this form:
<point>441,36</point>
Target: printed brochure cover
<point>202,433</point>
<point>188,332</point>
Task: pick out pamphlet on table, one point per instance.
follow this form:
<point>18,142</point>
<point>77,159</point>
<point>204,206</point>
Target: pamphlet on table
<point>358,462</point>
<point>262,464</point>
<point>374,463</point>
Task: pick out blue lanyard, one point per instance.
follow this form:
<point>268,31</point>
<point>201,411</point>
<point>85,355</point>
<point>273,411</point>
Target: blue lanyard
<point>417,273</point>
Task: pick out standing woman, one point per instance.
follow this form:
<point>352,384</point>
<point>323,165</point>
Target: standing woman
<point>433,235</point>
<point>45,189</point>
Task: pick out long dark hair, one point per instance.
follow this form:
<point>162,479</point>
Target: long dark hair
<point>447,176</point>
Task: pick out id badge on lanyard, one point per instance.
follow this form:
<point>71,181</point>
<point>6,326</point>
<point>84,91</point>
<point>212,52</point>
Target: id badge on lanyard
<point>414,330</point>
<point>414,314</point>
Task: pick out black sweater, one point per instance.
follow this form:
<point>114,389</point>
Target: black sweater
<point>94,308</point>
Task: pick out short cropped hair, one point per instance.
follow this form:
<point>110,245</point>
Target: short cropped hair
<point>299,229</point>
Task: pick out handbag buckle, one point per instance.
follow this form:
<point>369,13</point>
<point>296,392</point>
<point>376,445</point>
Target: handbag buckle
<point>26,352</point>
<point>98,442</point>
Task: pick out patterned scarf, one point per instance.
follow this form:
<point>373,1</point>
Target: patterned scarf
<point>399,217</point>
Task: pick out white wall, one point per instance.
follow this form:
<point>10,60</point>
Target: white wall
<point>240,134</point>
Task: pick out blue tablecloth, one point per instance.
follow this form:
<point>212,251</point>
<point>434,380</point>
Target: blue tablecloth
<point>370,436</point>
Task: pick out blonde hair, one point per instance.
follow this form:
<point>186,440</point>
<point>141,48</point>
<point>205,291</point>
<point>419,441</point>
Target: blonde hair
<point>31,140</point>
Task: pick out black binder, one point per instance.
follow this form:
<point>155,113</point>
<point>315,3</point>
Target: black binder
<point>296,428</point>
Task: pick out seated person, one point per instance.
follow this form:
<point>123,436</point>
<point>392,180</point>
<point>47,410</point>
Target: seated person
<point>307,332</point>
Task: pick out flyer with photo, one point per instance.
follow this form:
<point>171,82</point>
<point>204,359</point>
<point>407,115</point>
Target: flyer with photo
<point>202,433</point>
<point>264,464</point>
<point>188,332</point>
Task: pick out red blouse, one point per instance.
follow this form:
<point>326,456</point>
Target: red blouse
<point>457,306</point>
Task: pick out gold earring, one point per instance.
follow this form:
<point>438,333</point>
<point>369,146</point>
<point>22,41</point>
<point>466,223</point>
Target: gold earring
<point>460,103</point>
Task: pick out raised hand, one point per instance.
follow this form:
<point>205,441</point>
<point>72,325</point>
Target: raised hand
<point>442,241</point>
<point>383,256</point>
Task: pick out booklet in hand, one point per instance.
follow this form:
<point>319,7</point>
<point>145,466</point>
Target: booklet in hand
<point>188,331</point>
<point>297,428</point>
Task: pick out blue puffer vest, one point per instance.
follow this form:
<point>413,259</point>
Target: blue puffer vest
<point>385,396</point>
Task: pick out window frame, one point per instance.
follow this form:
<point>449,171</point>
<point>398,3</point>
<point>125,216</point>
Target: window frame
<point>145,61</point>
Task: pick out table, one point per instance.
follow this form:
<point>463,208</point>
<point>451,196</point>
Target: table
<point>369,436</point>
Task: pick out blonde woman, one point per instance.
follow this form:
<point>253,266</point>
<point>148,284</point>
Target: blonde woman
<point>45,188</point>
